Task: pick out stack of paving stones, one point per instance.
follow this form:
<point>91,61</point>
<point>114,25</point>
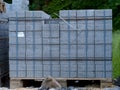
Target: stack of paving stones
<point>3,46</point>
<point>76,45</point>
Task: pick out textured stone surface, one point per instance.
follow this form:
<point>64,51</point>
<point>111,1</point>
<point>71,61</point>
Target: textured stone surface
<point>79,46</point>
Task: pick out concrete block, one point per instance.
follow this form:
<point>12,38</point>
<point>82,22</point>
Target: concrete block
<point>108,24</point>
<point>82,68</point>
<point>22,74</point>
<point>73,74</point>
<point>12,27</point>
<point>56,74</point>
<point>108,37</point>
<point>99,13</point>
<point>72,26</point>
<point>64,51</point>
<point>81,37</point>
<point>109,74</point>
<point>46,41</point>
<point>73,52</point>
<point>56,62</point>
<point>100,74</point>
<point>90,74</point>
<point>20,27</point>
<point>38,74</point>
<point>64,37</point>
<point>12,67</point>
<point>46,51</point>
<point>108,12</point>
<point>38,51</point>
<point>72,13</point>
<point>29,27</point>
<point>99,51</point>
<point>39,14</point>
<point>55,51</point>
<point>90,13</point>
<point>30,67</point>
<point>82,74</point>
<point>46,73</point>
<point>63,13</point>
<point>81,51</point>
<point>56,67</point>
<point>92,62</point>
<point>99,24</point>
<point>73,37</point>
<point>29,38</point>
<point>51,34</point>
<point>99,62</point>
<point>12,51</point>
<point>90,37</point>
<point>12,23</point>
<point>53,27</point>
<point>81,13</point>
<point>30,74</point>
<point>14,14</point>
<point>65,74</point>
<point>90,25</point>
<point>108,51</point>
<point>65,68</point>
<point>22,67</point>
<point>21,40</point>
<point>90,67</point>
<point>100,68</point>
<point>12,39</point>
<point>54,41</point>
<point>40,67</point>
<point>38,26</point>
<point>82,25</point>
<point>64,26</point>
<point>29,51</point>
<point>13,74</point>
<point>108,67</point>
<point>90,51</point>
<point>47,67</point>
<point>73,68</point>
<point>99,37</point>
<point>21,51</point>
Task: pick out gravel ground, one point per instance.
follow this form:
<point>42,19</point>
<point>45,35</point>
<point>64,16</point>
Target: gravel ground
<point>115,88</point>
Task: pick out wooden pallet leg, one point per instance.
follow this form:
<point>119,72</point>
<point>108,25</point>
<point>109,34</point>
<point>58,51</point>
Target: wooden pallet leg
<point>106,83</point>
<point>63,83</point>
<point>16,84</point>
<point>0,83</point>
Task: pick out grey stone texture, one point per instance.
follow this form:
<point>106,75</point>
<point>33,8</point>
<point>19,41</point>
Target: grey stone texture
<point>76,45</point>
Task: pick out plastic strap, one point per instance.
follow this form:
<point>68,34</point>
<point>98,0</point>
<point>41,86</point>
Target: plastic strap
<point>86,32</point>
<point>104,46</point>
<point>17,44</point>
<point>69,48</point>
<point>50,37</point>
<point>33,45</point>
<point>94,47</point>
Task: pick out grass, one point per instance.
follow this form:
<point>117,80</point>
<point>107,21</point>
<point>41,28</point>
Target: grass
<point>116,54</point>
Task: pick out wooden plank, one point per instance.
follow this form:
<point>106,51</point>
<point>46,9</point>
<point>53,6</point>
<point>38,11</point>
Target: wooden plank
<point>103,79</point>
<point>2,7</point>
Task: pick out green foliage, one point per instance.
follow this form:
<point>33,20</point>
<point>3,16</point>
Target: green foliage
<point>116,54</point>
<point>53,6</point>
<point>8,1</point>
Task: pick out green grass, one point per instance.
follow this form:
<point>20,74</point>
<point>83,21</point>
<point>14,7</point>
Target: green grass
<point>116,54</point>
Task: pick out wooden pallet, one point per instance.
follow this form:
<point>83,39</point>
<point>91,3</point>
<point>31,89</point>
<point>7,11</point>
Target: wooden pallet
<point>19,82</point>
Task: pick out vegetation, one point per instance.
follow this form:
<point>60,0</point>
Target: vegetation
<point>53,6</point>
<point>116,54</point>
